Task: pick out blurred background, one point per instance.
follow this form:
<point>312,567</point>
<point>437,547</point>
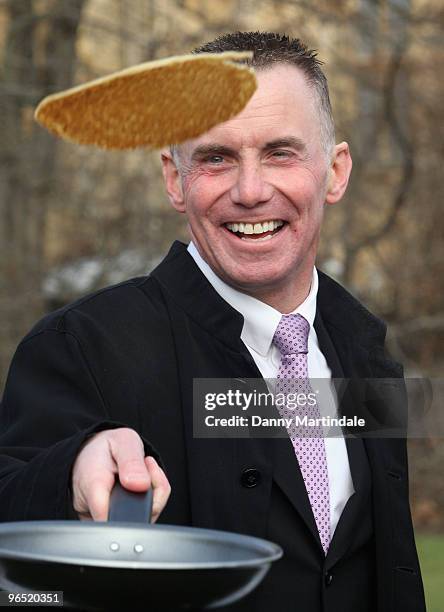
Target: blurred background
<point>73,219</point>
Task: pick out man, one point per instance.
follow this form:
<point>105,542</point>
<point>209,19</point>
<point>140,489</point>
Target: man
<point>96,383</point>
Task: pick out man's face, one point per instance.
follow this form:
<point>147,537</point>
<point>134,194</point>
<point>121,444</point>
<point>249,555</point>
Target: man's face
<point>265,166</point>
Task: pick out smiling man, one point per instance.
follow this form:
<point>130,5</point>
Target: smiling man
<point>93,385</point>
<point>254,189</point>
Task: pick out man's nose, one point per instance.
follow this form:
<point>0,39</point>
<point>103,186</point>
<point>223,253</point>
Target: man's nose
<point>250,187</point>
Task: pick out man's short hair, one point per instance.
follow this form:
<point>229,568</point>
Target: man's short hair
<point>270,48</point>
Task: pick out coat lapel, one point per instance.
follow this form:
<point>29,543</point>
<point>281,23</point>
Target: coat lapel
<point>207,334</point>
<point>287,475</point>
<point>359,468</point>
<point>358,338</point>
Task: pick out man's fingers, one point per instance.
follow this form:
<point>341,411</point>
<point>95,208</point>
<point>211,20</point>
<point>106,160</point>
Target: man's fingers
<point>128,454</point>
<point>161,487</point>
<point>98,492</point>
<point>110,453</point>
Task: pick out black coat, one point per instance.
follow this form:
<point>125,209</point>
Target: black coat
<point>127,356</point>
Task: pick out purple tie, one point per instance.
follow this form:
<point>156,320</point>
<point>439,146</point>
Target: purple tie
<point>291,338</point>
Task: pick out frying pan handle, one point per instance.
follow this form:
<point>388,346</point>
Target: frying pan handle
<point>126,506</point>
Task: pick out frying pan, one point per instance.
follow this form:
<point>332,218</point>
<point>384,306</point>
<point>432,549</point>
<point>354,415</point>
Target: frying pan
<point>119,564</point>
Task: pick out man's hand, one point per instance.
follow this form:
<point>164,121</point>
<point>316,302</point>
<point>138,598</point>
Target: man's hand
<point>111,452</point>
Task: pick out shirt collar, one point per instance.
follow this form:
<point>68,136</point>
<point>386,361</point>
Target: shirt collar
<point>260,319</point>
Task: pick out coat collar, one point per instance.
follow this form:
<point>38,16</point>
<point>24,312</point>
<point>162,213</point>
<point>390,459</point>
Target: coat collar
<point>340,310</point>
<point>260,320</point>
<point>179,275</point>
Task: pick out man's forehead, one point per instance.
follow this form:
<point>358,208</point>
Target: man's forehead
<point>280,109</point>
<point>278,87</point>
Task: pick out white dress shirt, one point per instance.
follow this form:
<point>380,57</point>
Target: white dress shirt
<point>260,323</point>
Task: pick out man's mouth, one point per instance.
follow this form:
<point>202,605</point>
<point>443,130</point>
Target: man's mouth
<point>264,230</point>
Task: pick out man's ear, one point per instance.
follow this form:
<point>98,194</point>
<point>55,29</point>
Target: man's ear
<point>339,173</point>
<point>173,181</point>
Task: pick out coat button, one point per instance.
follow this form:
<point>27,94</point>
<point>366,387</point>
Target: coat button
<point>328,578</point>
<point>250,478</point>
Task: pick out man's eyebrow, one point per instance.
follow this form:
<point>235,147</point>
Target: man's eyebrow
<point>218,149</point>
<point>290,141</point>
<point>211,149</point>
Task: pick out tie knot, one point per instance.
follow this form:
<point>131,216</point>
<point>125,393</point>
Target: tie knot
<point>291,335</point>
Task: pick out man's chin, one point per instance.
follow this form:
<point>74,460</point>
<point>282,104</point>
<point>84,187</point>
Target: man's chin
<point>252,283</point>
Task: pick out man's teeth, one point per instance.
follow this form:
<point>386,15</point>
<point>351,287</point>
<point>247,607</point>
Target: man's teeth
<point>254,228</point>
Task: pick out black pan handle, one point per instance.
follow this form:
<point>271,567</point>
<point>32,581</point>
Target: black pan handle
<point>126,506</point>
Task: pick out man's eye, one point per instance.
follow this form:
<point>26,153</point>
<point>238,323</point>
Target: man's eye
<point>215,159</point>
<point>281,154</point>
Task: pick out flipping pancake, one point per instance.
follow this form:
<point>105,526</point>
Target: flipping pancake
<point>154,104</point>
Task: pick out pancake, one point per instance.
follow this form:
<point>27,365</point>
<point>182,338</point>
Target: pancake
<point>154,104</point>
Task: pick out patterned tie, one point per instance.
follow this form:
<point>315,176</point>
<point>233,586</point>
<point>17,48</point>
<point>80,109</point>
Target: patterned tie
<point>291,338</point>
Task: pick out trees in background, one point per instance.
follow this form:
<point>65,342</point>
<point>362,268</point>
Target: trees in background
<point>38,56</point>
